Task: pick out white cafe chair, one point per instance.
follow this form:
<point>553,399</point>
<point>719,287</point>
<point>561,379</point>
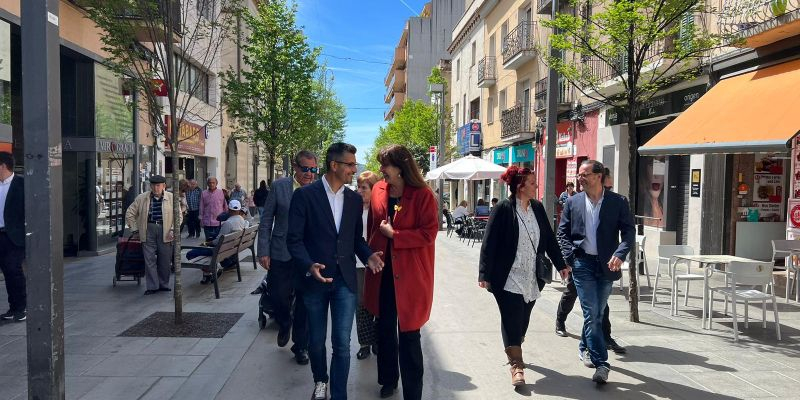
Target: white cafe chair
<point>641,259</point>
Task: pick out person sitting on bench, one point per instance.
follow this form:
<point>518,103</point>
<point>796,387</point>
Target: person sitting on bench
<point>234,223</point>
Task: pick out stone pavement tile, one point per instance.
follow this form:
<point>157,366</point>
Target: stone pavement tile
<point>120,365</point>
<point>174,346</point>
<point>242,334</point>
<point>78,344</point>
<point>14,360</point>
<point>77,364</point>
<point>729,384</point>
<point>10,339</point>
<point>172,365</point>
<point>123,345</point>
<point>77,386</point>
<point>752,361</point>
<point>12,328</point>
<point>120,388</point>
<point>221,361</point>
<point>784,384</point>
<point>202,387</point>
<point>164,388</point>
<point>12,386</point>
<point>203,347</point>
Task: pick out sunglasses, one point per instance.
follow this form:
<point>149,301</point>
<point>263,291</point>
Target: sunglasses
<point>313,170</point>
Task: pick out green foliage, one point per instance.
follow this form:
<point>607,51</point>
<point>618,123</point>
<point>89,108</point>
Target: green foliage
<point>436,76</point>
<point>278,102</point>
<point>415,126</point>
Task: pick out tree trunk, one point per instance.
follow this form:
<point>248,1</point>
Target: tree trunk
<point>272,166</point>
<point>633,270</point>
<point>172,95</point>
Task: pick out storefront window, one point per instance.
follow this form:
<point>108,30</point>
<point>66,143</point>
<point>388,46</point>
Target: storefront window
<point>113,117</point>
<point>650,199</point>
<point>113,181</point>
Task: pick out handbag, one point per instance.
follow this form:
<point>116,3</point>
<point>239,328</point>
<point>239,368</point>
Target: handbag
<point>544,267</point>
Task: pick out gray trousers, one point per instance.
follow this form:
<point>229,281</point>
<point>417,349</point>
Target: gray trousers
<point>157,257</point>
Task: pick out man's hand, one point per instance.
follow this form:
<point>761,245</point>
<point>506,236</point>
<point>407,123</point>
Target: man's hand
<point>264,261</point>
<point>614,264</point>
<point>483,284</point>
<point>565,272</point>
<point>315,272</point>
<point>375,263</point>
<point>386,229</point>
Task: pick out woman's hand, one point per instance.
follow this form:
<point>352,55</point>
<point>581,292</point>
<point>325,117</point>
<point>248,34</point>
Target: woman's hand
<point>483,284</point>
<point>386,229</point>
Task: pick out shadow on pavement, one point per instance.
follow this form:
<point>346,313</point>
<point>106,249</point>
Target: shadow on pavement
<point>667,356</point>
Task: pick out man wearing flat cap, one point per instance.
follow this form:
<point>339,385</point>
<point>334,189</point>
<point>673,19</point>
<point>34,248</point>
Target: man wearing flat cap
<point>151,217</point>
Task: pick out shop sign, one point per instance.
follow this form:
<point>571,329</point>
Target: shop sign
<point>468,138</point>
<point>670,103</point>
<point>564,148</point>
<point>522,153</point>
<point>111,146</point>
<point>695,188</point>
<point>500,156</point>
<point>191,137</point>
<point>572,171</point>
<point>794,214</point>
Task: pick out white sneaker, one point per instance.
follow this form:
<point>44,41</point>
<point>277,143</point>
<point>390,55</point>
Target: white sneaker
<point>601,374</point>
<point>320,391</point>
<point>587,360</point>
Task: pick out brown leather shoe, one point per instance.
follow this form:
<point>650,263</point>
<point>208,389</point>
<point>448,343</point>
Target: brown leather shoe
<point>514,354</point>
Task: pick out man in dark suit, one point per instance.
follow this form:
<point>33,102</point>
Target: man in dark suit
<point>12,238</point>
<point>325,235</point>
<point>591,225</point>
<point>290,312</point>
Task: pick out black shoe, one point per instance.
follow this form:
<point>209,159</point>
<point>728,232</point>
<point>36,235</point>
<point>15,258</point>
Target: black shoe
<point>206,280</point>
<point>363,353</point>
<point>387,391</point>
<point>283,335</point>
<point>301,357</point>
<point>258,290</point>
<point>164,289</point>
<point>375,349</point>
<point>18,316</point>
<point>612,345</point>
<point>149,292</point>
<point>219,272</point>
<point>8,315</point>
<point>561,330</point>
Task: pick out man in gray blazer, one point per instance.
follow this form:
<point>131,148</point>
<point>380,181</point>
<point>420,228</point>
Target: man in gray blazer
<point>290,313</point>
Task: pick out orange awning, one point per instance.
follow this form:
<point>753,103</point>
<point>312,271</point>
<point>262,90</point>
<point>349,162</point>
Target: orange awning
<point>752,112</point>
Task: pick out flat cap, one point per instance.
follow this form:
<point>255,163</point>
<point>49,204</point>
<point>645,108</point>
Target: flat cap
<point>157,179</point>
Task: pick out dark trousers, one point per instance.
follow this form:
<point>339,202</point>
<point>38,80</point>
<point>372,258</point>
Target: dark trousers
<point>409,358</point>
<point>211,232</point>
<point>568,301</point>
<point>515,315</point>
<point>193,222</point>
<point>11,257</point>
<point>288,305</point>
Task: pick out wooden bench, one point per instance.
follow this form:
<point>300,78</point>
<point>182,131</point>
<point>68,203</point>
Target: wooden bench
<point>228,245</point>
<point>249,243</point>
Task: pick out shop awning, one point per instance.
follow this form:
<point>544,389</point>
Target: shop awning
<point>752,112</point>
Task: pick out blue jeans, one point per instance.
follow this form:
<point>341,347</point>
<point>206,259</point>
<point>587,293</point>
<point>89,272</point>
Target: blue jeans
<point>593,291</point>
<point>342,302</point>
<point>211,232</point>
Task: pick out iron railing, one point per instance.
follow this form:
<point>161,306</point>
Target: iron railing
<point>519,40</point>
<point>737,16</point>
<point>517,119</point>
<point>540,98</point>
<point>487,69</point>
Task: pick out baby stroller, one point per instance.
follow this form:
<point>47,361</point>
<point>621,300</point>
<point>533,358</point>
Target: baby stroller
<point>264,304</point>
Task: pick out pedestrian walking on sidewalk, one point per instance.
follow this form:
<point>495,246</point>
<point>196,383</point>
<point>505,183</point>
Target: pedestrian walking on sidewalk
<point>518,235</point>
<point>150,218</point>
<point>282,283</point>
<point>403,223</point>
<point>595,253</point>
<point>193,209</point>
<point>365,321</point>
<point>325,235</point>
<point>12,238</point>
<point>260,197</point>
<point>213,202</point>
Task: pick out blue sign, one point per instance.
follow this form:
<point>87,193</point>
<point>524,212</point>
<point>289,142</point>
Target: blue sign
<point>522,153</point>
<point>468,138</point>
<point>500,156</point>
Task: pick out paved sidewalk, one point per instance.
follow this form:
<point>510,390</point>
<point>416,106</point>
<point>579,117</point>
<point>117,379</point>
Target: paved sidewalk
<point>668,357</point>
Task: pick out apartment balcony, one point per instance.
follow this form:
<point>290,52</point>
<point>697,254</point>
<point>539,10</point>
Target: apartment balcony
<point>519,46</point>
<point>397,84</point>
<point>487,72</point>
<point>398,62</point>
<point>544,7</point>
<point>394,104</point>
<point>757,23</point>
<point>565,96</point>
<point>144,32</point>
<point>517,123</point>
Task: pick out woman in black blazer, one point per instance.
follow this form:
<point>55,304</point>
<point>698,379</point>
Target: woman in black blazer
<point>517,237</point>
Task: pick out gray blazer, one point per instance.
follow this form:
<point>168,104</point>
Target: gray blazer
<point>272,238</point>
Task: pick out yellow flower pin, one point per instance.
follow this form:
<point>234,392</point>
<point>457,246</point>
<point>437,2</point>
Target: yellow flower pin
<point>397,208</point>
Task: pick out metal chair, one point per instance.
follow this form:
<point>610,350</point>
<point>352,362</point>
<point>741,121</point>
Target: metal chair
<point>665,257</point>
<point>741,277</point>
<point>641,259</point>
<point>789,250</point>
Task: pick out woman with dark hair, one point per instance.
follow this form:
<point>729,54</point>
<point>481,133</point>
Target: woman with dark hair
<point>517,237</point>
<point>260,197</point>
<point>402,223</point>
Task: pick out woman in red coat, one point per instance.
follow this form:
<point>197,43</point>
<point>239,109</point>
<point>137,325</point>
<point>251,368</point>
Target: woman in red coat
<point>403,224</point>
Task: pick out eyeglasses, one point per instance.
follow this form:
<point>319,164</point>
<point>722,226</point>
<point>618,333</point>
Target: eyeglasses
<point>313,170</point>
<point>349,164</point>
<point>587,175</point>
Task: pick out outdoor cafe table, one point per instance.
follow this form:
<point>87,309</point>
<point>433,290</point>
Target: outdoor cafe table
<point>704,261</point>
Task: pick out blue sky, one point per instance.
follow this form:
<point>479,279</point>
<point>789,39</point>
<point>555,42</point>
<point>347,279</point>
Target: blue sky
<point>358,29</point>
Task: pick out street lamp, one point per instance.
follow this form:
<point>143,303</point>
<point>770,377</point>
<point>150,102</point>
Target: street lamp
<point>437,89</point>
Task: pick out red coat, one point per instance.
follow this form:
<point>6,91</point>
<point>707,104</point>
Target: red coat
<point>415,228</point>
